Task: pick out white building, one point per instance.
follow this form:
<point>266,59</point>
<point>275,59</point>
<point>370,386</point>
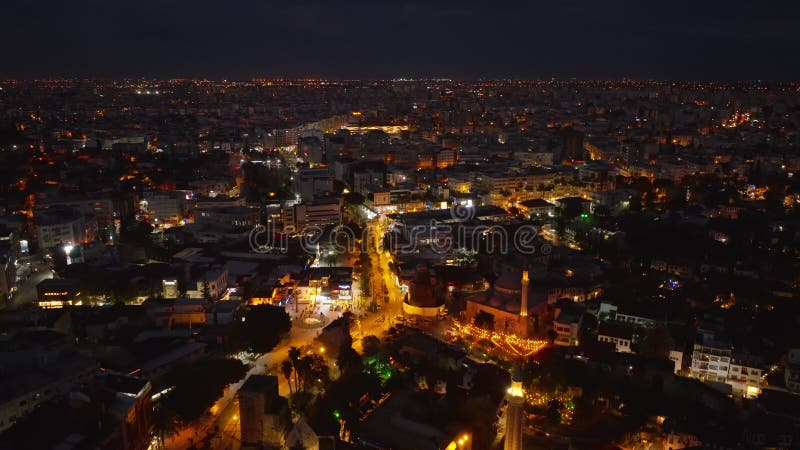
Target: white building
<point>567,326</point>
<point>169,288</point>
<point>715,361</point>
<point>316,213</point>
<point>635,319</point>
<point>62,225</point>
<point>711,361</point>
<point>310,183</point>
<point>164,207</point>
<point>619,335</point>
<point>676,356</point>
<point>509,181</point>
<point>744,375</point>
<point>217,281</point>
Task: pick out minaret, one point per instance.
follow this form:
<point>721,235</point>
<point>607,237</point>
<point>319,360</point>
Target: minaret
<point>514,411</point>
<point>523,303</point>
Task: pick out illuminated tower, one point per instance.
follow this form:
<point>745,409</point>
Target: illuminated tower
<point>523,303</point>
<point>515,410</point>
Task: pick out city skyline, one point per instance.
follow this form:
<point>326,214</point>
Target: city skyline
<point>417,225</point>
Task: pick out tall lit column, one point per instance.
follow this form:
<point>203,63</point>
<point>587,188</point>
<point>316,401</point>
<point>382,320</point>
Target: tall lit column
<point>523,304</point>
<point>515,412</point>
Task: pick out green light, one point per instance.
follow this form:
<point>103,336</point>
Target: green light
<point>337,414</point>
<point>584,216</point>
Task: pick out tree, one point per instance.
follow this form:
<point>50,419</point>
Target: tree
<point>484,320</point>
<point>294,357</point>
<point>370,345</point>
<point>301,402</point>
<point>123,292</point>
<point>199,384</point>
<point>348,361</point>
<point>554,408</point>
<point>165,424</point>
<point>340,402</point>
<point>287,368</point>
<point>311,370</point>
<point>261,329</point>
<point>366,273</point>
<point>206,291</point>
<point>602,210</point>
<point>657,343</point>
<point>354,198</point>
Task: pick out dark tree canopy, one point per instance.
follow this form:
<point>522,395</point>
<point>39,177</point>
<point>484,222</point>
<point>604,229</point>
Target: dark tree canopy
<point>261,328</point>
<point>198,385</point>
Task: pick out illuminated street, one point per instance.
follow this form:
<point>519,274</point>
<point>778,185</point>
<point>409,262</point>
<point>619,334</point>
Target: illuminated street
<point>25,293</point>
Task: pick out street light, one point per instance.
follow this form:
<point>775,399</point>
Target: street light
<point>462,442</point>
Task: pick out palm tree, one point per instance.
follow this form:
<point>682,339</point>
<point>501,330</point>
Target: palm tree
<point>311,368</point>
<point>294,357</point>
<point>165,424</point>
<point>287,368</point>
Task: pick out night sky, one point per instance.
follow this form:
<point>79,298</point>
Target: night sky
<point>699,39</point>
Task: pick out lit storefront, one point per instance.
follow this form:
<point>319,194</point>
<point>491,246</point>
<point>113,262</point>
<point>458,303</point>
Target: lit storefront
<point>58,293</point>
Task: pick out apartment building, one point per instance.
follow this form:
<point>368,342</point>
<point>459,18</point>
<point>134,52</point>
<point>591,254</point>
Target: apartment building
<point>315,213</point>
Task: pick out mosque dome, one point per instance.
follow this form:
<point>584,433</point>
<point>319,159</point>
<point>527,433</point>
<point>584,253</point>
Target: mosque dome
<point>509,283</point>
<point>513,306</point>
<point>496,302</point>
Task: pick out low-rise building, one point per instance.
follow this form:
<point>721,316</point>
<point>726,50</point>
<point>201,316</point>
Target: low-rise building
<point>536,208</point>
<point>211,284</point>
<point>181,312</point>
<point>58,293</point>
<point>744,375</point>
<point>264,415</point>
<point>567,326</point>
<point>161,364</point>
<point>791,374</point>
<point>38,366</point>
<point>228,217</point>
<point>637,319</point>
<point>132,409</point>
<point>619,335</point>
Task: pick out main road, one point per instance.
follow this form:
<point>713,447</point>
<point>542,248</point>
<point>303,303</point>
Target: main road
<point>220,428</point>
<point>31,272</point>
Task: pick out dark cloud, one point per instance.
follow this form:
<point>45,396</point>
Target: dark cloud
<point>374,38</point>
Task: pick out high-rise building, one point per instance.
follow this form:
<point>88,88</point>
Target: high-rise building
<point>310,183</point>
<point>572,142</point>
